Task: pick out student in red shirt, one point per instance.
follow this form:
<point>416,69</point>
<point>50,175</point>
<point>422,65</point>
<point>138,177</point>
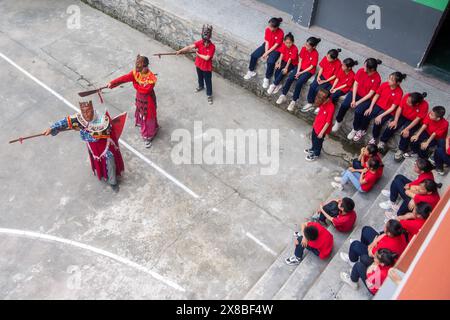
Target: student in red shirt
<point>286,63</point>
<point>372,276</point>
<point>412,110</point>
<point>384,102</point>
<point>203,61</point>
<point>434,128</point>
<point>308,59</point>
<point>313,237</point>
<point>328,69</point>
<point>269,51</point>
<point>427,192</point>
<point>367,81</point>
<point>363,181</point>
<point>442,155</point>
<point>368,152</point>
<point>401,184</point>
<point>345,78</point>
<point>322,124</point>
<point>340,212</point>
<point>413,221</point>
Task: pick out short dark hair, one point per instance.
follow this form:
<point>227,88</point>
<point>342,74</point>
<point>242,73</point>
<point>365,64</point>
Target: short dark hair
<point>439,111</point>
<point>423,209</point>
<point>311,233</point>
<point>348,204</point>
<point>325,91</point>
<point>374,164</point>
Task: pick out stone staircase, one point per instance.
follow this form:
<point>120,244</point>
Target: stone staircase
<point>319,279</point>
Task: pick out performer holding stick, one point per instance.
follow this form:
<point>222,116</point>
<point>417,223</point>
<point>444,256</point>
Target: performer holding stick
<point>101,134</point>
<point>203,61</point>
<point>144,82</point>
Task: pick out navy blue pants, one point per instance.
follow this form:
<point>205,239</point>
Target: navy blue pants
<point>304,77</point>
<point>415,146</point>
<point>358,249</point>
<point>404,143</point>
<point>279,74</point>
<point>440,155</point>
<point>205,77</point>
<point>314,88</point>
<point>389,133</point>
<point>356,164</point>
<point>335,96</point>
<point>271,60</point>
<point>361,122</point>
<point>317,143</point>
<point>359,271</point>
<point>398,189</point>
<point>299,249</point>
<point>346,105</point>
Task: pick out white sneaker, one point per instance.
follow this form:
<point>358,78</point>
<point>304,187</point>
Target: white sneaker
<point>277,88</point>
<point>345,277</point>
<point>338,179</point>
<point>291,106</point>
<point>292,261</point>
<point>249,75</point>
<point>265,83</point>
<point>386,193</point>
<point>390,215</point>
<point>381,146</point>
<point>337,186</point>
<point>372,141</point>
<point>359,135</point>
<point>271,89</point>
<point>351,135</point>
<point>281,99</point>
<point>307,107</point>
<point>336,126</point>
<point>344,257</point>
<point>316,111</point>
<point>386,205</point>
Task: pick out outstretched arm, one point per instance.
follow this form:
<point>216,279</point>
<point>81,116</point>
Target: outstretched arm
<point>57,127</point>
<point>123,79</point>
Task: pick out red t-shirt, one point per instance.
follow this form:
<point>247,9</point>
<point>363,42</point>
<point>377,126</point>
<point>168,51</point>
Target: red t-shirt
<point>371,178</point>
<point>346,79</point>
<point>330,68</point>
<point>207,51</point>
<point>388,97</point>
<point>273,37</point>
<point>323,243</point>
<point>377,157</point>
<point>439,127</point>
<point>367,83</point>
<point>325,115</point>
<point>345,222</point>
<point>376,277</point>
<point>309,59</point>
<point>395,244</point>
<point>412,112</point>
<point>289,53</point>
<point>423,176</point>
<point>431,199</point>
<point>413,226</point>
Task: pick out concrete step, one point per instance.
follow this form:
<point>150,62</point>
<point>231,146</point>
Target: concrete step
<point>328,285</point>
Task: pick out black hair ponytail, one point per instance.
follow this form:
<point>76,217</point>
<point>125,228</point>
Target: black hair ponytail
<point>424,165</point>
<point>372,63</point>
<point>417,97</point>
<point>372,149</point>
<point>398,76</point>
<point>313,41</point>
<point>395,228</point>
<point>386,257</point>
<point>289,36</point>
<point>275,22</point>
<point>334,53</point>
<point>423,209</point>
<point>350,63</point>
<point>431,185</point>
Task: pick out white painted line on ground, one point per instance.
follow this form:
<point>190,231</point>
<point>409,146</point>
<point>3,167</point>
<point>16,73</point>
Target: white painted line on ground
<point>248,234</point>
<point>123,142</point>
<point>42,236</point>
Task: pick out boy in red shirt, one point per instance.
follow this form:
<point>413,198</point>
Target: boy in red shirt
<point>203,61</point>
<point>313,237</point>
<point>339,212</point>
<point>322,124</point>
<point>434,128</point>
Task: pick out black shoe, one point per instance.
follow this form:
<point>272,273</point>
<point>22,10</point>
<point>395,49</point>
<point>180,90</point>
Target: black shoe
<point>115,187</point>
<point>210,100</point>
<point>198,89</point>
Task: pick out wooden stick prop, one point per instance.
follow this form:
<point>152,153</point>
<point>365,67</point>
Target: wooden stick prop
<point>89,92</point>
<point>21,139</point>
<point>171,53</point>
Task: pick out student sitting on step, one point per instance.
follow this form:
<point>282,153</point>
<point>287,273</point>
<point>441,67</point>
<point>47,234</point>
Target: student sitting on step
<point>427,192</point>
<point>393,237</point>
<point>340,212</point>
<point>368,152</point>
<point>328,69</point>
<point>409,116</point>
<point>372,276</point>
<point>345,78</point>
<point>424,170</point>
<point>442,155</point>
<point>313,237</point>
<point>363,181</point>
<point>414,220</point>
<point>322,124</point>
<point>434,127</point>
<point>269,51</point>
<point>308,59</point>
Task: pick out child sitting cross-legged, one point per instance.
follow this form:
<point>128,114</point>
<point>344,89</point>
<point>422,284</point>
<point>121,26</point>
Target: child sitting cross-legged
<point>340,212</point>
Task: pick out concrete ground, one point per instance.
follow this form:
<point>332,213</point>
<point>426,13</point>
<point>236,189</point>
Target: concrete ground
<point>63,234</point>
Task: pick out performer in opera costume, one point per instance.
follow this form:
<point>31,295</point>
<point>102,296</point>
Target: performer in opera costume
<point>101,134</point>
<point>144,82</point>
